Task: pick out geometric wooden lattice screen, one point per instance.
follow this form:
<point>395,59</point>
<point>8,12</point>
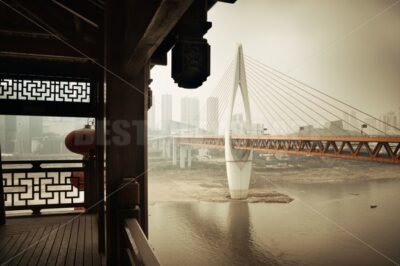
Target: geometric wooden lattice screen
<point>45,90</point>
<point>47,96</point>
<point>48,88</point>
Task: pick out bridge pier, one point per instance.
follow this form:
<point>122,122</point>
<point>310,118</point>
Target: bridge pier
<point>185,156</point>
<point>189,156</point>
<point>174,151</point>
<point>164,151</point>
<point>182,157</point>
<point>238,162</point>
<point>168,149</point>
<point>239,173</point>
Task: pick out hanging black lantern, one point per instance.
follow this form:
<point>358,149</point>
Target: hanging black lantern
<point>191,62</point>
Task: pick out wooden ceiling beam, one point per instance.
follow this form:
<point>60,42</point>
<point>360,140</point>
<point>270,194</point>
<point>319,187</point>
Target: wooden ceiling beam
<point>20,44</point>
<point>83,10</point>
<point>163,21</point>
<point>54,20</point>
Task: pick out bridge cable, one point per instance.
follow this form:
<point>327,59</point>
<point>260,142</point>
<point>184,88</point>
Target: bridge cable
<point>258,94</point>
<point>318,105</point>
<point>268,120</point>
<point>319,98</point>
<point>272,86</point>
<point>264,93</point>
<point>323,93</point>
<point>217,90</point>
<point>267,112</point>
<point>323,107</point>
<point>216,93</point>
<point>257,99</point>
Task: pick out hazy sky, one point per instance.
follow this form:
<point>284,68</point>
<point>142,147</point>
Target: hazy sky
<point>349,49</point>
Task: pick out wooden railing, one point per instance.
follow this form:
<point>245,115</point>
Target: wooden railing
<point>138,250</point>
<point>38,185</point>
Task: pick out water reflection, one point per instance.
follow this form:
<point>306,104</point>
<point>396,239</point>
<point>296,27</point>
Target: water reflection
<point>237,233</point>
<point>222,234</point>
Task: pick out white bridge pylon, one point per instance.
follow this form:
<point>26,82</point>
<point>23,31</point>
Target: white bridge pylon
<point>238,162</point>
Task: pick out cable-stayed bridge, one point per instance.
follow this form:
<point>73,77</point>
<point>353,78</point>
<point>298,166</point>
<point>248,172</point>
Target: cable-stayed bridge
<point>296,119</point>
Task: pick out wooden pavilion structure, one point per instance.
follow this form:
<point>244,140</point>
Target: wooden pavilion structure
<point>90,58</point>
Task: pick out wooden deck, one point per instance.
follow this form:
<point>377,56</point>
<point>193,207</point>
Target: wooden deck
<point>50,240</point>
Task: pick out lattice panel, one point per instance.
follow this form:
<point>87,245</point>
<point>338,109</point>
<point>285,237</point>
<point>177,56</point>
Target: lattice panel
<point>42,90</point>
<point>40,189</point>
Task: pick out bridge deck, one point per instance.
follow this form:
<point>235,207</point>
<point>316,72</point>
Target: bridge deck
<point>366,148</point>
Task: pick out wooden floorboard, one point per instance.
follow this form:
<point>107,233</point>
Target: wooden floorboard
<point>80,244</point>
<point>88,257</point>
<point>8,247</point>
<point>70,259</point>
<point>50,240</point>
<point>40,246</point>
<point>17,247</point>
<point>64,244</point>
<point>95,246</point>
<point>55,250</point>
<point>22,249</point>
<point>48,245</point>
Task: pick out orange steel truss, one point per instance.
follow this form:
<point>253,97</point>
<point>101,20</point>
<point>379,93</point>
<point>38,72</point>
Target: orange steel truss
<point>379,149</point>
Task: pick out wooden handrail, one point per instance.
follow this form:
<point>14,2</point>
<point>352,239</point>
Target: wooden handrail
<point>138,248</point>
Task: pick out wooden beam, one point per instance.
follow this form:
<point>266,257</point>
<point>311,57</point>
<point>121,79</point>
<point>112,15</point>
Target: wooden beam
<point>41,45</point>
<point>83,10</point>
<point>53,19</point>
<point>165,18</point>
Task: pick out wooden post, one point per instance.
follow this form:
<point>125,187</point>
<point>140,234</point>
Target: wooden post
<point>100,139</point>
<point>2,207</point>
<point>126,116</point>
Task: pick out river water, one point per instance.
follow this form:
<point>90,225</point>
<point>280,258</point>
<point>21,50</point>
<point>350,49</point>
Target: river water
<point>326,224</point>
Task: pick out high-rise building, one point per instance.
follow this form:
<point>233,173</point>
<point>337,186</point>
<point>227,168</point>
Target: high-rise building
<point>212,115</point>
<point>390,120</point>
<point>190,111</point>
<point>237,124</point>
<point>166,112</point>
<point>373,126</point>
<point>346,121</point>
<point>398,118</point>
<point>353,120</point>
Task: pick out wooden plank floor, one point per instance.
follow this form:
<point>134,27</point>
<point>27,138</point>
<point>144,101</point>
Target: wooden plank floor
<point>50,240</point>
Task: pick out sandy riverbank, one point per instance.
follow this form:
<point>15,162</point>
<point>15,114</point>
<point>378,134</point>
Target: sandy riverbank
<point>206,181</point>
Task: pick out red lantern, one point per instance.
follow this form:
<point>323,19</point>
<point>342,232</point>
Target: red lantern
<point>81,141</point>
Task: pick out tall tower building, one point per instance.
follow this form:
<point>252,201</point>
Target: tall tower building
<point>398,118</point>
<point>190,111</point>
<point>212,115</point>
<point>390,120</point>
<point>166,113</point>
<point>346,121</point>
<point>353,119</point>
